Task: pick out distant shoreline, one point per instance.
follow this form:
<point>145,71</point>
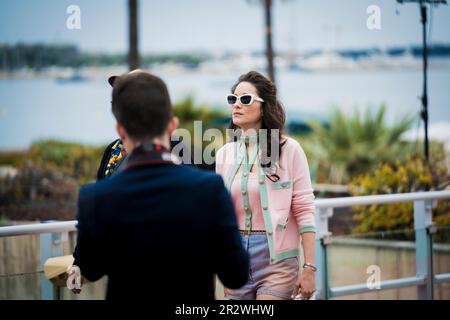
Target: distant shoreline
<point>323,64</point>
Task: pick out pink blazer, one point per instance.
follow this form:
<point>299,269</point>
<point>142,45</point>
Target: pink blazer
<point>288,204</point>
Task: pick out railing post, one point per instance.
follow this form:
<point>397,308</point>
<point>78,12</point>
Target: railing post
<point>50,246</point>
<point>322,240</point>
<point>423,227</point>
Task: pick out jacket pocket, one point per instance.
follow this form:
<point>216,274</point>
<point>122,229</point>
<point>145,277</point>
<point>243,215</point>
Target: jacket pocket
<point>281,185</point>
<point>281,195</point>
<point>282,224</point>
<point>281,219</point>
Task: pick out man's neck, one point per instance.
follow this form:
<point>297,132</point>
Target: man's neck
<point>130,145</point>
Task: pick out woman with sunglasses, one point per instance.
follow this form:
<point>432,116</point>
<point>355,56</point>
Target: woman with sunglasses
<point>268,177</point>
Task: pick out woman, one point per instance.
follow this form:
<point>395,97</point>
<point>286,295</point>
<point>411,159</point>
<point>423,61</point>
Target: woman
<point>271,192</point>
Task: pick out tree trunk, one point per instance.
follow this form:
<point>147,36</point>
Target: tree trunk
<point>268,31</point>
<point>133,53</point>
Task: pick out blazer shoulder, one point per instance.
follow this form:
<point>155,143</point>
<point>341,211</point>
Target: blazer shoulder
<point>102,189</point>
<point>86,203</point>
<point>292,147</point>
<point>292,152</point>
<point>192,178</point>
<point>87,191</point>
<point>223,148</point>
<point>226,149</point>
<point>290,143</point>
<point>201,176</point>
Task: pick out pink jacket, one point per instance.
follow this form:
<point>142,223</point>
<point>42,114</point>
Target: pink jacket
<point>288,204</point>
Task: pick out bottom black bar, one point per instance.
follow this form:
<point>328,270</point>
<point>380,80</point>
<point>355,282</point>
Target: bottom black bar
<point>85,310</point>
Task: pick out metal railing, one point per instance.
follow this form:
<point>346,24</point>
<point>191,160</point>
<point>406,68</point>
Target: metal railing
<point>53,233</point>
<point>423,227</point>
<point>38,228</point>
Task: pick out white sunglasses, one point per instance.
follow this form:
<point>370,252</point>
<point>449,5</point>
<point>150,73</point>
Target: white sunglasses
<point>246,99</point>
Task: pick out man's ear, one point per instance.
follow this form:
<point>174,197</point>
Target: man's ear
<point>121,132</point>
<point>173,125</point>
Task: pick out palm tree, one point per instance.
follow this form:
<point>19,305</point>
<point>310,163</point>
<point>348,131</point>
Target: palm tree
<point>350,146</point>
<point>268,35</point>
<point>133,53</point>
<point>268,32</point>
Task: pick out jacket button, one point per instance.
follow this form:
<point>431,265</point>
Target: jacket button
<point>244,192</point>
<point>269,233</point>
<point>246,208</point>
<point>265,207</point>
<point>284,185</point>
<point>244,174</point>
<point>261,181</point>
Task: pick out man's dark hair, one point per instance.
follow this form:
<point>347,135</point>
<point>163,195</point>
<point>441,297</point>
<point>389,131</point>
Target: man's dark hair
<point>141,104</point>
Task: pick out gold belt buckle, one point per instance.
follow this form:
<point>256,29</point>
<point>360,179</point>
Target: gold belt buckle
<point>246,232</point>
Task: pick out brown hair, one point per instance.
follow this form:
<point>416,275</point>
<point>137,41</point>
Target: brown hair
<point>141,104</point>
<point>273,112</point>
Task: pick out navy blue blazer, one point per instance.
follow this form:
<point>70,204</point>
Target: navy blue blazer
<point>160,231</point>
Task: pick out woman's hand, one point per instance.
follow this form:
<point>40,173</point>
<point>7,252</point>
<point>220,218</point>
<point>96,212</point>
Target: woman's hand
<point>305,284</point>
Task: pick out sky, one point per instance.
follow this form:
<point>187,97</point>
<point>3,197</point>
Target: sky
<point>219,25</point>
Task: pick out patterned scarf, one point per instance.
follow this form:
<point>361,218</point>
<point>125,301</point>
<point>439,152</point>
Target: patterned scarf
<point>116,155</point>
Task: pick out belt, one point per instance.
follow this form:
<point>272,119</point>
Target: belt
<point>248,232</point>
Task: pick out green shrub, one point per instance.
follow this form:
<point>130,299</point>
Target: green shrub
<point>352,145</point>
<point>411,175</point>
<point>37,193</point>
<point>74,160</point>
